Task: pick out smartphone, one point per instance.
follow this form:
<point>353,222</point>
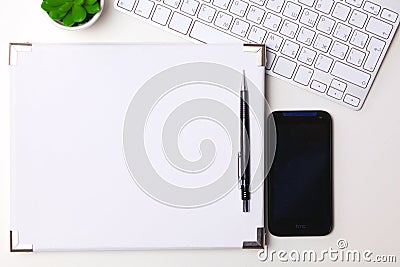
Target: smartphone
<point>300,177</point>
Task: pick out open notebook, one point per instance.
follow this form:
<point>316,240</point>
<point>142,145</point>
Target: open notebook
<point>118,147</point>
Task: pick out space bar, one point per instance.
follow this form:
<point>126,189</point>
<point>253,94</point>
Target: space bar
<point>207,34</point>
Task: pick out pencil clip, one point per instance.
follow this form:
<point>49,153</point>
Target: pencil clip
<point>239,169</point>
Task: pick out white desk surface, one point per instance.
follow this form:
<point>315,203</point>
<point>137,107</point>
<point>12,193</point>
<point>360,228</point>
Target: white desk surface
<point>366,153</point>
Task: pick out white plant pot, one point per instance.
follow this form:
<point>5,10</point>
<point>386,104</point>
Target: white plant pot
<point>79,27</point>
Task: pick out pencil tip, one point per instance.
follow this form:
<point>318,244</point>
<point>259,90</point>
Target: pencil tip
<point>244,82</point>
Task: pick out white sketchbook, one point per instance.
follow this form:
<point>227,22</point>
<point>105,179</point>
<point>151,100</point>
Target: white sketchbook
<point>119,147</point>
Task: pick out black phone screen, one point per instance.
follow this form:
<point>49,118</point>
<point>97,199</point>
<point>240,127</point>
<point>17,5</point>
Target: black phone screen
<point>300,178</point>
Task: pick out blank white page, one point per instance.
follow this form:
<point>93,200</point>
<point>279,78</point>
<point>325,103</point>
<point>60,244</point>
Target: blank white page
<point>72,187</point>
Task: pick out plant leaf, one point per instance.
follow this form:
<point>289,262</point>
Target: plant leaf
<point>56,3</point>
<point>62,14</point>
<point>90,2</point>
<point>92,9</point>
<point>79,2</point>
<point>68,19</point>
<point>65,7</point>
<point>78,13</point>
<point>45,6</point>
<point>55,15</point>
<point>63,10</point>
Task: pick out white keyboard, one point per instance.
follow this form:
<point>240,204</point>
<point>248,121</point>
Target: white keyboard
<point>333,48</point>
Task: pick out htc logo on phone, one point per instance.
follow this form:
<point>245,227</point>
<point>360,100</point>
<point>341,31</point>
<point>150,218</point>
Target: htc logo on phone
<point>301,226</point>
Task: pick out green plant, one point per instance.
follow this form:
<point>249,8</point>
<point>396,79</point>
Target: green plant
<point>71,12</point>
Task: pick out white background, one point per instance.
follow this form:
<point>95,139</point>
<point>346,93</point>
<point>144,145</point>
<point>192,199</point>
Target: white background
<point>366,145</point>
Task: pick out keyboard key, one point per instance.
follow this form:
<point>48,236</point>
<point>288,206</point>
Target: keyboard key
<point>207,34</point>
<point>341,86</point>
<point>342,32</point>
<point>258,2</point>
<point>161,15</point>
<point>272,22</point>
<point>144,8</point>
<point>290,49</point>
<point>359,39</point>
<point>180,23</point>
<point>356,3</point>
<point>285,67</point>
<point>172,3</point>
<point>322,43</point>
<point>305,36</point>
<point>239,7</point>
<point>339,50</point>
<point>292,10</point>
<point>378,27</point>
<point>289,29</point>
<point>358,18</point>
<point>356,57</point>
<point>324,6</point>
<point>273,41</point>
<point>307,2</point>
<point>372,8</point>
<point>126,4</point>
<point>389,15</point>
<point>325,25</point>
<point>256,34</point>
<point>303,75</point>
<point>240,27</point>
<point>275,5</point>
<point>255,14</point>
<point>320,87</point>
<point>270,59</point>
<point>309,18</point>
<point>375,49</point>
<point>341,11</point>
<point>307,55</point>
<point>332,92</point>
<point>223,20</point>
<point>206,13</point>
<point>350,74</point>
<point>189,6</point>
<point>221,3</point>
<point>351,100</point>
<point>323,63</point>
